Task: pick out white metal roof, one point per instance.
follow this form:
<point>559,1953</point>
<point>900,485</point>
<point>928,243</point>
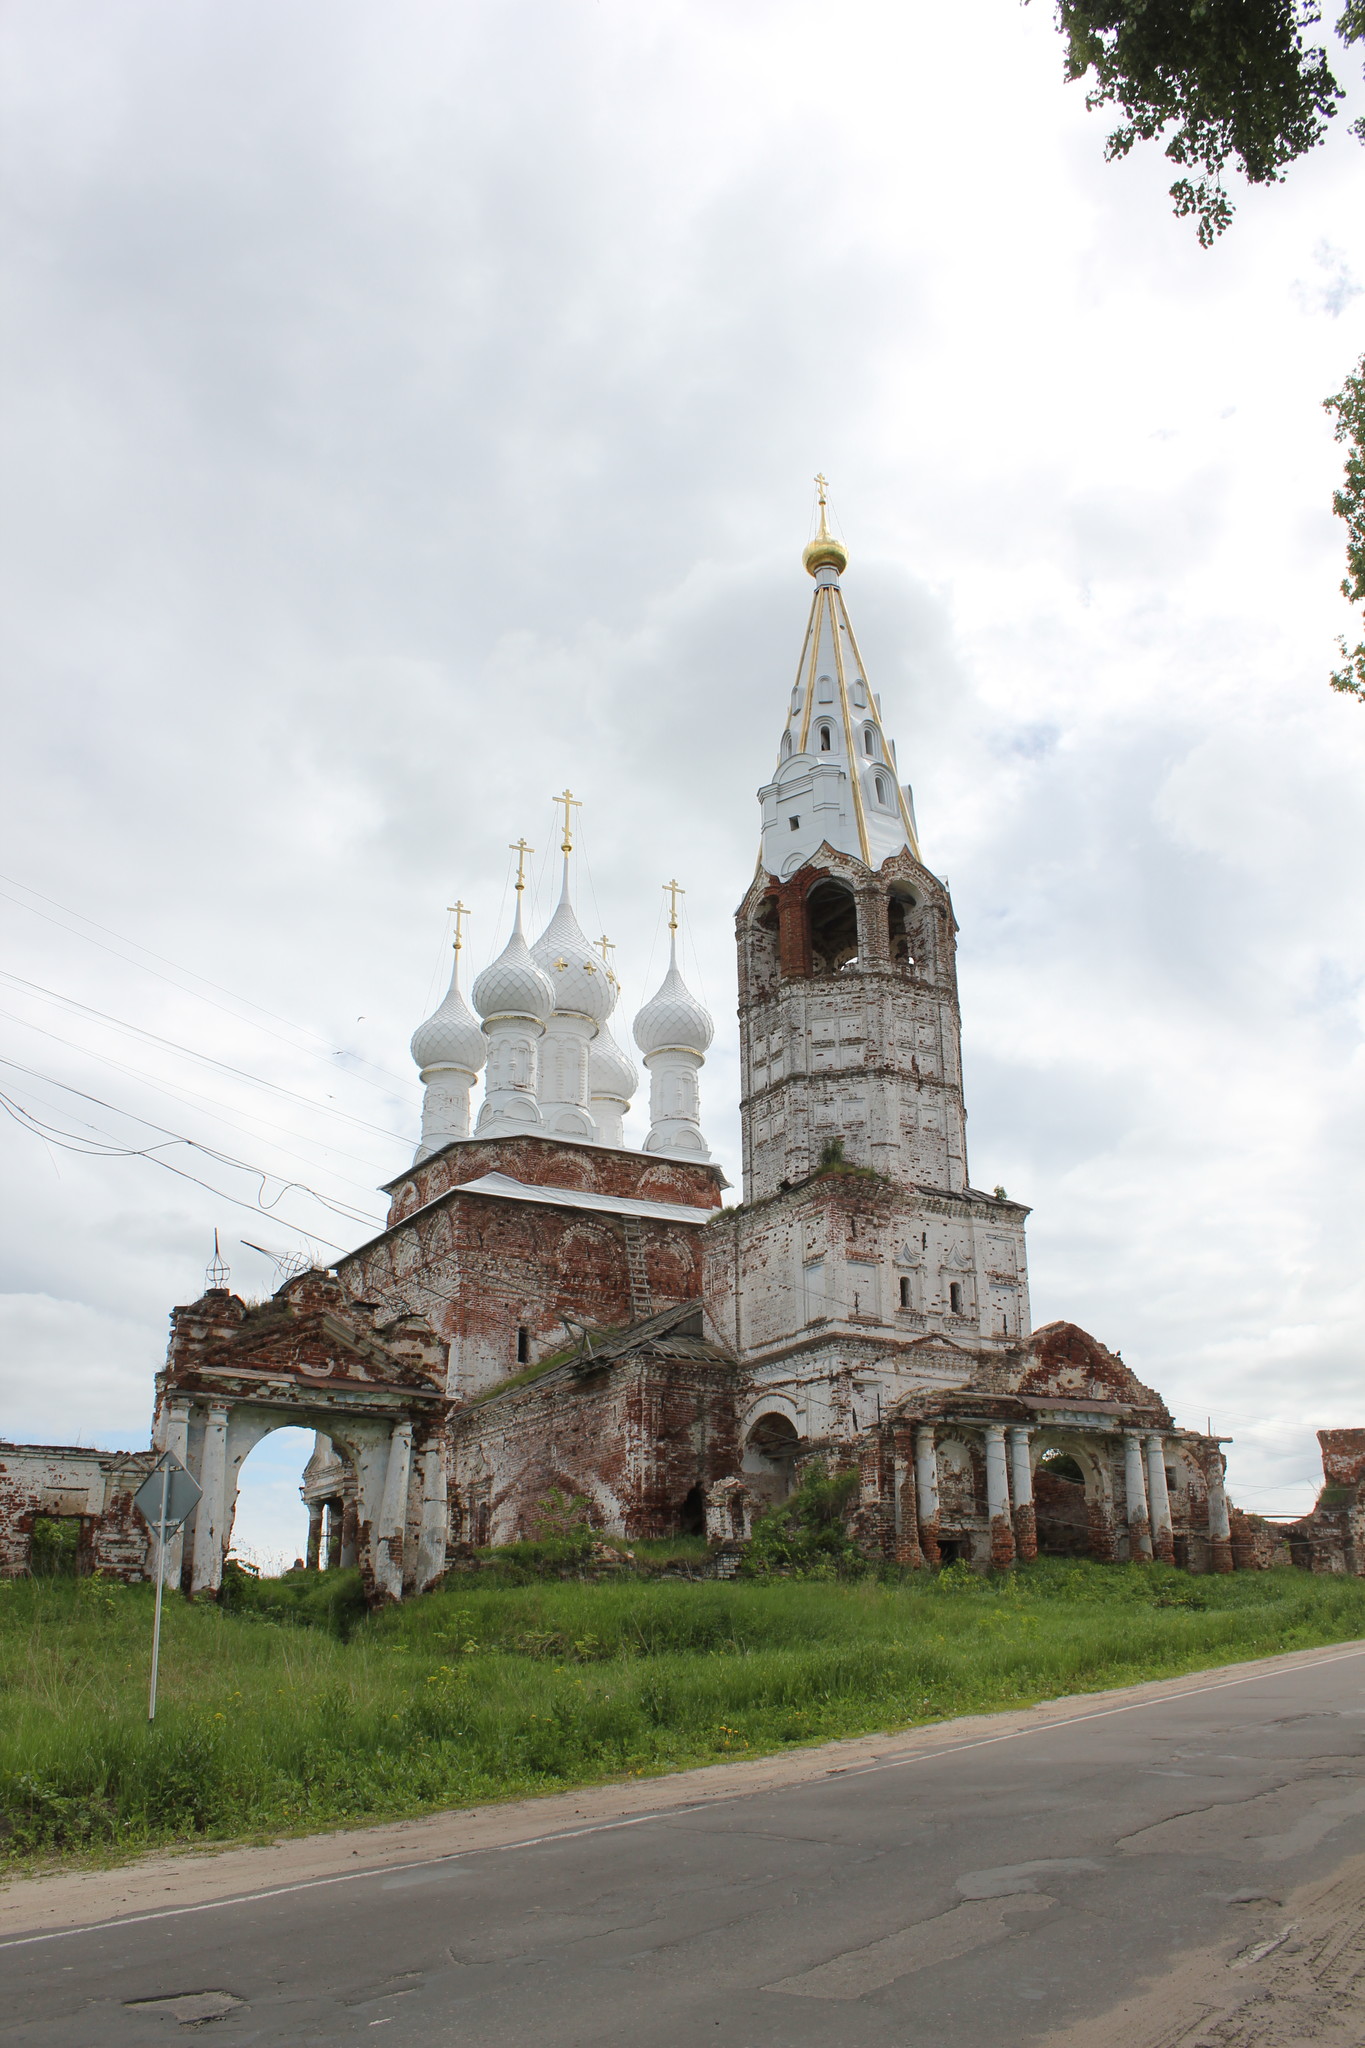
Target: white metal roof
<point>502,1184</point>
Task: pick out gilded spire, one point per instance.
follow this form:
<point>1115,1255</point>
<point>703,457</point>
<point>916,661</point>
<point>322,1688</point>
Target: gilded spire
<point>825,552</point>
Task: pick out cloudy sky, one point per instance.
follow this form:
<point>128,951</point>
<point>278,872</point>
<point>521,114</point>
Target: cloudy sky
<point>412,410</point>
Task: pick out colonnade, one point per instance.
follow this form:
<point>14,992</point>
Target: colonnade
<point>1010,1504</point>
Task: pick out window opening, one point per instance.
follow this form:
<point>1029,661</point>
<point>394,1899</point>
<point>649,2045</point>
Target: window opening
<point>523,1345</point>
<point>795,823</point>
<point>868,741</point>
<point>880,785</point>
<point>825,739</point>
<point>898,913</point>
<point>833,917</point>
<point>955,1296</point>
<point>906,1302</point>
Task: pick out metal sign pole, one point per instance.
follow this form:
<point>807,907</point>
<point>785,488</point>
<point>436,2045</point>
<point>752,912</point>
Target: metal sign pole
<point>160,1584</point>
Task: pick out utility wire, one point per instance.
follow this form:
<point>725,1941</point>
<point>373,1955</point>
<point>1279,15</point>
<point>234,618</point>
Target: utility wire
<point>188,1052</point>
<point>403,1081</point>
<point>191,1098</point>
<point>106,1147</point>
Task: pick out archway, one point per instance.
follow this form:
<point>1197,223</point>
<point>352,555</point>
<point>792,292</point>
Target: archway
<point>770,1452</point>
<point>270,1522</point>
<point>311,1360</point>
<point>1069,1498</point>
<point>833,912</point>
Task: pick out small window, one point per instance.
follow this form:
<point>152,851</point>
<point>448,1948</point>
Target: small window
<point>795,823</point>
<point>906,1302</point>
<point>879,784</point>
<point>786,746</point>
<point>955,1296</point>
<point>825,740</point>
<point>869,743</point>
<point>523,1345</point>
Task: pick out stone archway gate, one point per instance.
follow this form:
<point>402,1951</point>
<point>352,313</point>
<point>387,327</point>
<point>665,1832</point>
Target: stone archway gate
<point>375,1384</point>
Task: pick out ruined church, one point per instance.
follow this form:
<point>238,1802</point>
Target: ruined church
<point>549,1309</point>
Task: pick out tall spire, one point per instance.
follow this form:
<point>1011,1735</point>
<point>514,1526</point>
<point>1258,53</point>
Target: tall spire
<point>837,779</point>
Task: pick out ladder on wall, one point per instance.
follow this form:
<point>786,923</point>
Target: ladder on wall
<point>637,1274</point>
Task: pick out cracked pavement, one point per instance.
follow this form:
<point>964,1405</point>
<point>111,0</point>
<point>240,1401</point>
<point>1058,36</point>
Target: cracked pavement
<point>1189,1868</point>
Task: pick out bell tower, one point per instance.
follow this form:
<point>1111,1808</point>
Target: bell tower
<point>849,1022</point>
<point>862,1263</point>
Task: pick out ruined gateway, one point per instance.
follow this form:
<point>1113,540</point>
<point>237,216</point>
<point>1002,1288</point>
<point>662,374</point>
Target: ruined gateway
<point>550,1310</point>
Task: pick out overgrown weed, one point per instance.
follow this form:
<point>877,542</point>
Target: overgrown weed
<point>289,1709</point>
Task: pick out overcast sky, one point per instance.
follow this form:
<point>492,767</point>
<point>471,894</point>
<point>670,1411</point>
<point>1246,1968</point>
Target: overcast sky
<point>410,410</point>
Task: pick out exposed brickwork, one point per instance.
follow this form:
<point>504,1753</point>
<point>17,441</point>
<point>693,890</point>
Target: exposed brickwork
<point>94,1488</point>
<point>643,1435</point>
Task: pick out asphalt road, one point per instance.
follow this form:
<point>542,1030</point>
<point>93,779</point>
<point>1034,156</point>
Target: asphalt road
<point>982,1895</point>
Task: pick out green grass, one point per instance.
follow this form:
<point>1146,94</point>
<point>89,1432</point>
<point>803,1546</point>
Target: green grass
<point>297,1711</point>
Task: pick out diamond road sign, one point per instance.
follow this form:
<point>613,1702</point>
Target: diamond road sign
<point>182,1494</point>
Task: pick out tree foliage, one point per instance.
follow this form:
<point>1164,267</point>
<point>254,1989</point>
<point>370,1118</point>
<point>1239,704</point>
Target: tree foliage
<point>1348,404</point>
<point>1225,82</point>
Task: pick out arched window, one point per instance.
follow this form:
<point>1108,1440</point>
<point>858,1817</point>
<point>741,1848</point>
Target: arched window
<point>833,917</point>
<point>869,741</point>
<point>879,784</point>
<point>955,1297</point>
<point>786,746</point>
<point>907,1299</point>
<point>826,739</point>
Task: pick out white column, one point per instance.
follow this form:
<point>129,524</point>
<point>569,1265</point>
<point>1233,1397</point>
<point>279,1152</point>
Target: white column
<point>675,1103</point>
<point>206,1573</point>
<point>1158,1497</point>
<point>926,1472</point>
<point>1139,1521</point>
<point>431,1548</point>
<point>175,1437</point>
<point>998,1498</point>
<point>1021,1468</point>
<point>388,1543</point>
<point>997,1476</point>
<point>1220,1528</point>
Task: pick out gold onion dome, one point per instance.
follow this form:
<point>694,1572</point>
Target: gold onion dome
<point>824,552</point>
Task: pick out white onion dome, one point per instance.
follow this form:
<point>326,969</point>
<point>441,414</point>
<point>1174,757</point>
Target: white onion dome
<point>512,985</point>
<point>450,1037</point>
<point>673,1018</point>
<point>581,983</point>
<point>611,1072</point>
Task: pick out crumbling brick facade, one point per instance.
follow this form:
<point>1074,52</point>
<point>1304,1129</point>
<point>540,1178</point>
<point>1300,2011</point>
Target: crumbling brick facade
<point>93,1489</point>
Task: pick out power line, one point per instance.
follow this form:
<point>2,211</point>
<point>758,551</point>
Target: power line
<point>188,1052</point>
<point>403,1081</point>
<point>106,1147</point>
<point>191,1097</point>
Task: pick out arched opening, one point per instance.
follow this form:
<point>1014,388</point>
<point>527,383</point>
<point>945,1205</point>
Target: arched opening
<point>907,1293</point>
<point>1060,1504</point>
<point>900,908</point>
<point>787,745</point>
<point>826,739</point>
<point>523,1345</point>
<point>879,785</point>
<point>692,1512</point>
<point>833,915</point>
<point>869,742</point>
<point>770,1455</point>
<point>955,1297</point>
<point>270,1525</point>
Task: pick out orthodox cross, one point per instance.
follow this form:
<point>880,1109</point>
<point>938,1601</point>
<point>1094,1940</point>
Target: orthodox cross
<point>521,849</point>
<point>822,485</point>
<point>606,948</point>
<point>459,913</point>
<point>571,804</point>
<point>675,890</point>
